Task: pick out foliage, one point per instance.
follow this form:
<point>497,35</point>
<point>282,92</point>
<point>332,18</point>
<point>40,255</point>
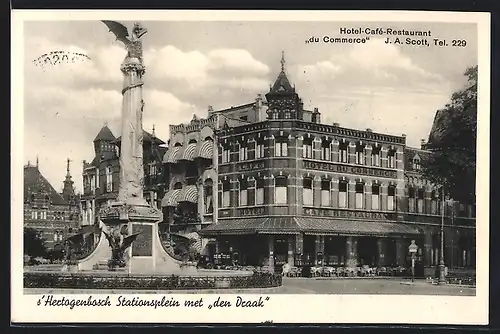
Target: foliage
<point>453,143</point>
<point>173,282</point>
<point>34,244</point>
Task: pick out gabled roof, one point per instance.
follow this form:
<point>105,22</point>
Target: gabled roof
<point>147,137</point>
<point>105,134</point>
<point>35,182</point>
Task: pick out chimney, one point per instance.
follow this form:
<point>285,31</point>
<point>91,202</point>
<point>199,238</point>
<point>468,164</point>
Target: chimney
<point>368,130</point>
<point>422,143</point>
<point>336,124</point>
<point>403,135</point>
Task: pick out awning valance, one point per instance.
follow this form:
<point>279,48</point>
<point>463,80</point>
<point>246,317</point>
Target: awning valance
<point>205,150</point>
<point>189,194</point>
<point>171,198</point>
<point>266,225</point>
<point>172,156</point>
<point>353,227</point>
<point>188,153</point>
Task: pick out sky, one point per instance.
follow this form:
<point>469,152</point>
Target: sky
<point>389,88</point>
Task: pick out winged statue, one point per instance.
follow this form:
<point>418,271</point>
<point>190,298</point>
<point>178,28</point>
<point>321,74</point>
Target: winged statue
<point>119,241</point>
<point>131,41</point>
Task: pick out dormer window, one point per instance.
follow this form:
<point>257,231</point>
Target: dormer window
<point>416,163</point>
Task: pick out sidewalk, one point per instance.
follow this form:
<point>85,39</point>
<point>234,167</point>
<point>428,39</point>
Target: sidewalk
<point>423,282</point>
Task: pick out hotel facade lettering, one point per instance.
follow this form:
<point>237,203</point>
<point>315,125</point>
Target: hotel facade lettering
<point>348,214</point>
<point>329,167</point>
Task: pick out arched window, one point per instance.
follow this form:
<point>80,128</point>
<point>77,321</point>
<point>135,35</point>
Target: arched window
<point>226,154</point>
<point>325,193</point>
<point>226,190</point>
<point>360,191</point>
<point>307,148</point>
<point>280,190</point>
<point>178,185</point>
<point>434,199</point>
<point>391,160</point>
<point>360,154</point>
<point>343,152</point>
<point>391,198</point>
<point>307,191</point>
<point>376,156</point>
<point>325,150</point>
<point>375,196</point>
<point>177,144</point>
<point>109,179</point>
<point>243,200</point>
<point>420,200</point>
<point>243,151</point>
<point>411,199</point>
<point>208,195</point>
<point>416,164</point>
<point>343,185</point>
<point>259,192</point>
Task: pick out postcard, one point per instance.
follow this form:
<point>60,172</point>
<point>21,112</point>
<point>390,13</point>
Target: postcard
<point>250,167</point>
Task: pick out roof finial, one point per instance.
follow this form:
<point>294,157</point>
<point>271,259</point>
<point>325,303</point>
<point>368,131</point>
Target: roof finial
<point>37,161</point>
<point>154,135</point>
<point>106,123</point>
<point>67,166</point>
<point>282,61</point>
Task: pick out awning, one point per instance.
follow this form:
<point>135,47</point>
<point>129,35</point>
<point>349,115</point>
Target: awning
<point>267,225</point>
<point>188,153</point>
<point>171,198</point>
<point>189,194</point>
<point>205,150</point>
<point>345,227</point>
<point>172,155</point>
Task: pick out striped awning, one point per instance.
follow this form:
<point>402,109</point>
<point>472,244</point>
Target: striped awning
<point>267,225</point>
<point>205,150</point>
<point>189,194</point>
<point>188,153</point>
<point>172,156</point>
<point>171,198</point>
<point>322,226</point>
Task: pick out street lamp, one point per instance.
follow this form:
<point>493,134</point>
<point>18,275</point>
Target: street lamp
<point>442,277</point>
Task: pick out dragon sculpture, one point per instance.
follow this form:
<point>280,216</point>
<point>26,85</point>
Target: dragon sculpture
<point>119,240</point>
<point>131,41</point>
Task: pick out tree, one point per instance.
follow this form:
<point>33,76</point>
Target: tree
<point>34,245</point>
<point>452,141</point>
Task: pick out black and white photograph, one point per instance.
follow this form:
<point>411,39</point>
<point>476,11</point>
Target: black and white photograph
<point>232,166</point>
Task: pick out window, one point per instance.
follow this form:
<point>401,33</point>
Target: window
<point>97,179</point>
<point>280,190</point>
<point>178,185</point>
<point>92,183</point>
<point>109,179</point>
<point>325,192</point>
<point>243,153</point>
<point>359,195</point>
<point>280,148</point>
<point>34,215</point>
<point>226,194</point>
<point>434,202</point>
<point>208,192</point>
<point>420,201</point>
<point>307,149</point>
<point>390,159</point>
<point>416,164</point>
<point>55,236</point>
<point>287,114</point>
<point>243,193</point>
<point>343,152</point>
<point>360,154</point>
<point>375,197</point>
<point>325,150</point>
<point>376,157</point>
<point>391,198</point>
<point>343,194</point>
<point>411,200</point>
<point>259,150</point>
<point>259,193</point>
<point>244,118</point>
<point>226,155</point>
<point>307,192</point>
<point>153,171</point>
<point>462,210</point>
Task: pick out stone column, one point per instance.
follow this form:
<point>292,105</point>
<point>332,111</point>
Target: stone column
<point>335,193</point>
<point>291,247</point>
<point>427,248</point>
<point>335,151</point>
<point>351,195</point>
<point>400,252</point>
<point>381,247</point>
<point>271,252</point>
<point>317,191</point>
<point>351,252</point>
<point>368,196</point>
<point>383,196</point>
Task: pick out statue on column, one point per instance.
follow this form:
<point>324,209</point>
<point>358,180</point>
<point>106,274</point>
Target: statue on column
<point>132,42</point>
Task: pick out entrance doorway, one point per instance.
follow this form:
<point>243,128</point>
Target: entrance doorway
<point>367,251</point>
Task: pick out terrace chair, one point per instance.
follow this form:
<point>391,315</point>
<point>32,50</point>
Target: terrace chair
<point>294,272</point>
<point>328,271</point>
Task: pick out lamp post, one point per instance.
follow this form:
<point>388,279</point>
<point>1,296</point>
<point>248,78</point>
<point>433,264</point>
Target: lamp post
<point>442,277</point>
